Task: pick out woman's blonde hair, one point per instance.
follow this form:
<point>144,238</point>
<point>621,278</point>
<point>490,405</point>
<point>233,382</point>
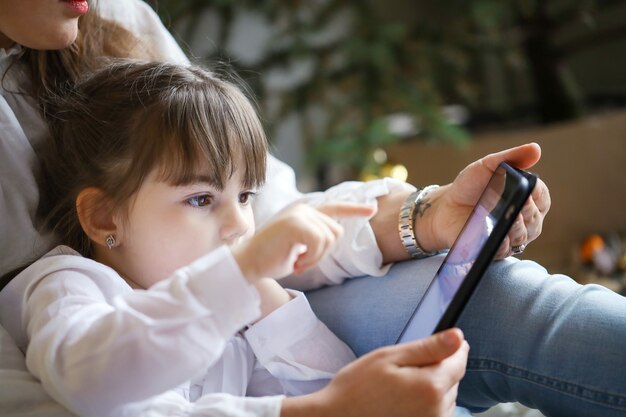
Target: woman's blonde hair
<point>98,38</point>
<point>116,126</point>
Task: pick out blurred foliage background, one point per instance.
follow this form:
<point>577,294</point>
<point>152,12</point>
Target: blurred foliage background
<point>365,74</point>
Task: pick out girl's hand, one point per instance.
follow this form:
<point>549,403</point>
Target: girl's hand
<point>452,204</point>
<point>419,378</point>
<point>295,241</point>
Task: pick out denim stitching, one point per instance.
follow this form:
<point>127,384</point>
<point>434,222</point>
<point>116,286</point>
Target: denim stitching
<point>611,400</point>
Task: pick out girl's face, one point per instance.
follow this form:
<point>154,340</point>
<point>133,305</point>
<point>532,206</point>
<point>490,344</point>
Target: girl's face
<point>170,226</point>
<point>40,24</point>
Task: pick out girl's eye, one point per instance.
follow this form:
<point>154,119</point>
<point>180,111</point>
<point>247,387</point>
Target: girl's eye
<point>246,197</point>
<point>201,200</point>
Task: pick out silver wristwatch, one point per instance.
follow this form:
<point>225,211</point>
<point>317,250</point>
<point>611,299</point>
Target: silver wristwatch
<point>410,208</point>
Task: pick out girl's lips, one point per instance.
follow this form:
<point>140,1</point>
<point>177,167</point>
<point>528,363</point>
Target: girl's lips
<point>78,7</point>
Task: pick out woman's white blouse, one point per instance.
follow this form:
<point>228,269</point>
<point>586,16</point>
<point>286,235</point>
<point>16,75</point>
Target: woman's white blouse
<point>103,349</point>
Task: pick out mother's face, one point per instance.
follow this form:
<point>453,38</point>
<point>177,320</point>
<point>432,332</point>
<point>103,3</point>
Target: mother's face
<point>40,24</point>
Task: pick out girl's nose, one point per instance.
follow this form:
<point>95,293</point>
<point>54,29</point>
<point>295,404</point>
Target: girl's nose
<point>234,224</point>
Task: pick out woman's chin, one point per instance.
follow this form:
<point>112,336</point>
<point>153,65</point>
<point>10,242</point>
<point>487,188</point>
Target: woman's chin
<point>52,40</point>
<point>61,40</point>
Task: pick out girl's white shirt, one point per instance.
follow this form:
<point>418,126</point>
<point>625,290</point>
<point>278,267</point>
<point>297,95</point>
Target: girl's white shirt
<point>101,348</point>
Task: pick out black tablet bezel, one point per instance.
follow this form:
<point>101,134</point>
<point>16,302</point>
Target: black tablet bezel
<point>513,197</point>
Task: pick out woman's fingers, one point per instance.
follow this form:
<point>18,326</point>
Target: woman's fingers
<point>505,248</point>
<point>529,223</point>
<point>533,220</point>
<point>518,234</point>
<point>541,197</point>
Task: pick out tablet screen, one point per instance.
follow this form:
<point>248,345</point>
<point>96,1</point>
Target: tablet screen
<point>461,257</point>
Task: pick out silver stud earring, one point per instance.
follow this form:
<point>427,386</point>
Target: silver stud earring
<point>110,241</point>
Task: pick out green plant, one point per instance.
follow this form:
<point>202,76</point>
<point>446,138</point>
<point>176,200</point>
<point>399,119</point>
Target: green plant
<point>442,52</point>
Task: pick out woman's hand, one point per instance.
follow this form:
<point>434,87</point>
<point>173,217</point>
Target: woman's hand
<point>295,241</point>
<point>420,378</point>
<point>448,207</point>
<point>453,204</point>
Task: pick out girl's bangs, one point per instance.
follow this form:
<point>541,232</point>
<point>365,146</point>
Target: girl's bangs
<point>204,128</point>
<point>211,146</point>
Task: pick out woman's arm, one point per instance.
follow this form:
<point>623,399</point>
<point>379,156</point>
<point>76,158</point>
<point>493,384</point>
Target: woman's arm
<point>371,244</point>
<point>447,208</point>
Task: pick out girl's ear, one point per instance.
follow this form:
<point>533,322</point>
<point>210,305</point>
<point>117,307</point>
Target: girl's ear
<point>96,216</point>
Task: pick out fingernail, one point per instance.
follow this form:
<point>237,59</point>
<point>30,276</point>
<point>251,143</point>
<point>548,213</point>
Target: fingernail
<point>449,338</point>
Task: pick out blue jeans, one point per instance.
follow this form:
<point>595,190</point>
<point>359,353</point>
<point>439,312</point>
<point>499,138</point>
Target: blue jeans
<point>542,340</point>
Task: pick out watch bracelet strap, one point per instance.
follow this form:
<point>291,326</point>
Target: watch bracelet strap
<point>406,228</point>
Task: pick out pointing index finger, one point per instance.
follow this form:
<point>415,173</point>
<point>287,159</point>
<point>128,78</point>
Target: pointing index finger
<point>347,209</point>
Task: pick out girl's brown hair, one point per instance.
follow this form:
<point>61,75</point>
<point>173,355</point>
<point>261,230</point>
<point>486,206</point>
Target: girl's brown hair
<point>116,126</point>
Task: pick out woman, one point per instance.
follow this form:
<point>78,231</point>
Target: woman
<point>501,367</point>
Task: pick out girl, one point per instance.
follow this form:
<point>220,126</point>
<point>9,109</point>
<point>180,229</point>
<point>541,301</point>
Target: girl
<point>148,182</point>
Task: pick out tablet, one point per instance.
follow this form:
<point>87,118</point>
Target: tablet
<point>472,252</point>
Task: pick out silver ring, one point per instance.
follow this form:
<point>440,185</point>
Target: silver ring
<point>516,250</point>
